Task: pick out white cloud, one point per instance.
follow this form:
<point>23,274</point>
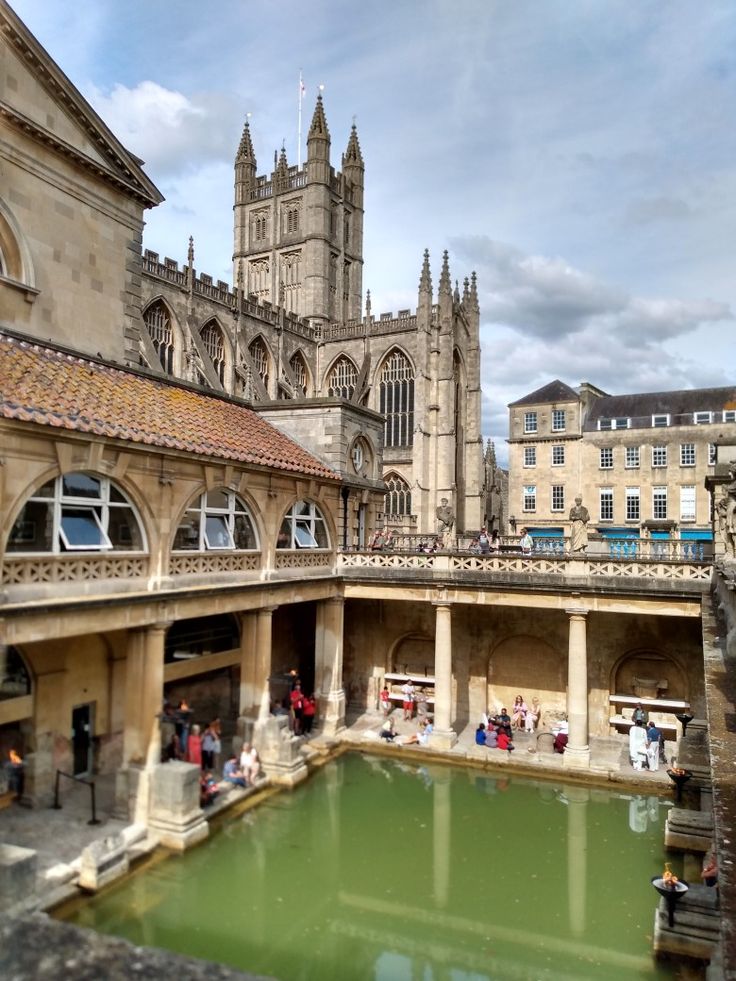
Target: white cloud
<point>171,132</point>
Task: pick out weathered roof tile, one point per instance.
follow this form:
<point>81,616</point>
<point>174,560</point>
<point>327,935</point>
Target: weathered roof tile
<point>42,385</point>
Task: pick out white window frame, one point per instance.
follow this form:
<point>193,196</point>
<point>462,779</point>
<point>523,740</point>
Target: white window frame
<point>601,464</point>
<point>605,494</point>
<point>687,454</point>
<point>530,456</point>
<point>631,452</point>
<point>729,415</point>
<point>659,496</point>
<point>303,526</point>
<point>702,418</point>
<point>688,502</point>
<point>712,455</point>
<point>622,422</point>
<point>104,542</point>
<point>557,413</point>
<point>531,422</point>
<point>100,506</point>
<point>559,451</point>
<point>661,420</point>
<point>200,512</point>
<point>605,424</point>
<point>659,451</point>
<point>529,498</point>
<point>559,491</point>
<point>633,494</point>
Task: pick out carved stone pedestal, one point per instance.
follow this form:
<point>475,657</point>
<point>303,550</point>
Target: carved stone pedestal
<point>175,815</point>
<point>279,751</point>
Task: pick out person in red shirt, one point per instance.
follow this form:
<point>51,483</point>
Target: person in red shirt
<point>385,699</point>
<point>297,708</point>
<point>503,741</point>
<point>308,712</point>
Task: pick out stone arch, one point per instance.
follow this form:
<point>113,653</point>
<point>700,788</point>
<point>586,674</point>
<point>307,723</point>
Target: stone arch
<point>166,336</point>
<point>217,343</point>
<point>197,502</point>
<point>530,666</point>
<point>646,671</point>
<point>341,377</point>
<point>299,365</point>
<point>16,261</point>
<point>398,493</point>
<point>412,654</point>
<point>394,396</point>
<point>260,351</point>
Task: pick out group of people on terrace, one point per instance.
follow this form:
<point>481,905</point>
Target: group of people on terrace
<point>300,708</point>
<point>646,741</point>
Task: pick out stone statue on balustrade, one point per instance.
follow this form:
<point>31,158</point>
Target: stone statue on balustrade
<point>726,511</point>
<point>579,518</point>
<point>445,522</point>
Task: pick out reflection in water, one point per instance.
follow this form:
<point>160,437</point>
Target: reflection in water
<point>383,869</point>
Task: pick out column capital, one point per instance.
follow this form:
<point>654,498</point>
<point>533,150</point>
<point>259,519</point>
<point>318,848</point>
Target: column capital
<point>268,610</point>
<point>577,612</point>
<point>440,604</point>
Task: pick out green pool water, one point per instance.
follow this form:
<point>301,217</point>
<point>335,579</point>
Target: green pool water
<point>382,869</point>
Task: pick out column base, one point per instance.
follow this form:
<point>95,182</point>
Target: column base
<point>442,739</point>
<point>333,708</point>
<point>279,752</point>
<point>576,759</point>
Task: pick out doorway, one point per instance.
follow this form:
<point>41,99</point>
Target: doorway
<point>82,732</point>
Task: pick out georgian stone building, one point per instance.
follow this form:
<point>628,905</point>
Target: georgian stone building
<point>638,461</point>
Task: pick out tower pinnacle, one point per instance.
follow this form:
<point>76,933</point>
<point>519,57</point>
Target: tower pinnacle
<point>445,285</point>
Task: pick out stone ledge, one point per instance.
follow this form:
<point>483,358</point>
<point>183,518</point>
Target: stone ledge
<point>35,948</point>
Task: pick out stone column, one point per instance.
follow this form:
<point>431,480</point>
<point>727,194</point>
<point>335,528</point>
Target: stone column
<point>262,687</point>
<point>577,752</point>
<point>443,736</point>
<point>144,689</point>
<point>249,696</point>
<point>328,650</point>
<point>144,686</point>
<point>441,838</point>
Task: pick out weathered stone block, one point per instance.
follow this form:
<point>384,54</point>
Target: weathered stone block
<point>17,878</point>
<point>102,862</point>
<point>175,814</point>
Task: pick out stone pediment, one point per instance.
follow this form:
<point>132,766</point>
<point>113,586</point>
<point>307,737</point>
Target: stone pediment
<point>39,99</point>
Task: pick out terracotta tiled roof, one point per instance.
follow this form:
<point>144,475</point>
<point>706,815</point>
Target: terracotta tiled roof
<point>51,388</point>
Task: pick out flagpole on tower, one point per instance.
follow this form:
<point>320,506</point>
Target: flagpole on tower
<point>299,131</point>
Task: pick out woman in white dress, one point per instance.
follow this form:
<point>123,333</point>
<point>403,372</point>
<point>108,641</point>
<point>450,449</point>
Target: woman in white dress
<point>637,745</point>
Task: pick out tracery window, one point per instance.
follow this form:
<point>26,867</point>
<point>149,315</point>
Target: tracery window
<point>77,512</point>
<point>158,325</point>
<point>342,379</point>
<point>398,495</point>
<point>260,227</point>
<point>292,219</point>
<point>260,359</point>
<point>396,399</point>
<point>217,520</point>
<point>303,527</point>
<point>215,345</point>
<point>299,370</point>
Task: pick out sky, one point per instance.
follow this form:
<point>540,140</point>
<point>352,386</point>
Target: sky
<point>579,155</point>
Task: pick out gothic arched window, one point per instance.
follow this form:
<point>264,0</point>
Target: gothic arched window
<point>158,325</point>
<point>396,399</point>
<point>77,512</point>
<point>215,345</point>
<point>342,379</point>
<point>260,359</point>
<point>299,370</point>
<point>398,495</point>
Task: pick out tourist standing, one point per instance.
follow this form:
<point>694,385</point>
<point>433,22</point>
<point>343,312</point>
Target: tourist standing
<point>407,691</point>
<point>297,708</point>
<point>654,736</point>
<point>309,710</point>
<point>194,747</point>
<point>637,745</point>
<point>385,700</point>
